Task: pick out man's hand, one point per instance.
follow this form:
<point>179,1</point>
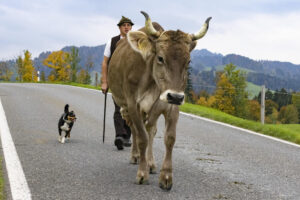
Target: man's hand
<point>104,88</point>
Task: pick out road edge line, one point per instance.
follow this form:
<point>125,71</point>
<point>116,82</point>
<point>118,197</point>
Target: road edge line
<point>17,181</point>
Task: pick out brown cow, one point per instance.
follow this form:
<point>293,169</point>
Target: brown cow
<point>147,76</point>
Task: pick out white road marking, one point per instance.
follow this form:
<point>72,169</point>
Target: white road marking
<point>241,129</point>
<point>17,181</point>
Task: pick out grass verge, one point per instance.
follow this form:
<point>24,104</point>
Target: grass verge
<point>289,132</point>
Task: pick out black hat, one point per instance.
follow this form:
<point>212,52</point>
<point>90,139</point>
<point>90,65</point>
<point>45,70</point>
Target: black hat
<point>125,20</point>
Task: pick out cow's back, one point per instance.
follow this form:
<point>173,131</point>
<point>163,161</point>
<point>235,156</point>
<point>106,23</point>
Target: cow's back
<point>125,72</point>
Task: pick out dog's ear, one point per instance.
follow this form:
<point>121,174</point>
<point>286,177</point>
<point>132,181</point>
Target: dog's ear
<point>66,108</point>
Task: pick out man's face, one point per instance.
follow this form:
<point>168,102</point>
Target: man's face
<point>125,28</point>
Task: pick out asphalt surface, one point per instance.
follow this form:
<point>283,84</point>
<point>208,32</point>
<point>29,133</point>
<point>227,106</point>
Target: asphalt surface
<point>210,161</point>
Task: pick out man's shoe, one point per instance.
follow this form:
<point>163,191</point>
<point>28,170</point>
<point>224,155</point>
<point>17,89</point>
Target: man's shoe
<point>127,143</point>
<point>119,141</point>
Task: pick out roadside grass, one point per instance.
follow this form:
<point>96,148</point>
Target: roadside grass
<point>289,132</point>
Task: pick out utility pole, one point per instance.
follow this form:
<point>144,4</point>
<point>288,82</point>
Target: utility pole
<point>262,105</point>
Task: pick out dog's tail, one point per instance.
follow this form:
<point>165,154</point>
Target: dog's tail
<point>66,108</point>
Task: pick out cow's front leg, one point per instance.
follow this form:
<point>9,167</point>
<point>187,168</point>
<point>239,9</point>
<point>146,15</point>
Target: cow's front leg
<point>166,175</point>
<point>150,158</point>
<point>135,156</point>
<point>142,142</point>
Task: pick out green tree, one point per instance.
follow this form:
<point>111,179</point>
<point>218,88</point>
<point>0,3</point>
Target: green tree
<point>96,79</point>
<point>43,76</point>
<point>189,87</point>
<point>238,80</point>
<point>5,73</point>
<point>88,66</point>
<point>74,62</point>
<point>288,114</point>
<point>296,102</point>
<point>20,68</point>
<point>282,98</point>
<point>269,106</point>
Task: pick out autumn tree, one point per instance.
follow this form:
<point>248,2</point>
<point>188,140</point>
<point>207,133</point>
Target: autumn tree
<point>202,101</point>
<point>81,77</point>
<point>29,73</point>
<point>237,79</point>
<point>5,73</point>
<point>253,110</point>
<point>224,95</point>
<point>288,114</point>
<point>59,61</point>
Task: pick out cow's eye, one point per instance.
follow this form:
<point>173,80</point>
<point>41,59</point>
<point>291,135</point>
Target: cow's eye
<point>160,59</point>
<point>189,62</point>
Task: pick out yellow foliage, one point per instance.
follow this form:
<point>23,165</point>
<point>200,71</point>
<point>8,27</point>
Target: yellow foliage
<point>81,76</point>
<point>59,61</point>
<point>211,100</point>
<point>29,70</point>
<point>202,101</point>
<point>224,95</point>
<point>254,110</point>
<point>51,78</point>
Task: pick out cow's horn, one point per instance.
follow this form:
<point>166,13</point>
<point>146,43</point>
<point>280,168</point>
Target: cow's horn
<point>202,31</point>
<point>148,25</point>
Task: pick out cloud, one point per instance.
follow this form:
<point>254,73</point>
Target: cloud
<point>259,29</point>
<point>259,36</point>
<point>38,31</point>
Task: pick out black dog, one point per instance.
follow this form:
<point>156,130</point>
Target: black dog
<point>65,124</point>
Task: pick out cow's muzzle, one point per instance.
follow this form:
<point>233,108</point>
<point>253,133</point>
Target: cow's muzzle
<point>172,97</point>
<point>175,98</point>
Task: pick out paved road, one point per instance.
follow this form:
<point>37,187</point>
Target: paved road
<point>210,161</point>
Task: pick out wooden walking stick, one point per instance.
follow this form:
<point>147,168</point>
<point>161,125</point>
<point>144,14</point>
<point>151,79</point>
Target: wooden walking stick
<point>105,96</point>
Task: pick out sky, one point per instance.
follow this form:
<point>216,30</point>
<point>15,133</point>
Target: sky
<point>258,29</point>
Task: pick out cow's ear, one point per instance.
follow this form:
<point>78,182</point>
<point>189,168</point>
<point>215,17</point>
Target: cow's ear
<point>193,45</point>
<point>140,42</point>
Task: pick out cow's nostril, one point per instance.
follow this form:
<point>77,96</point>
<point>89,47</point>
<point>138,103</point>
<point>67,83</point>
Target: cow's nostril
<point>175,98</point>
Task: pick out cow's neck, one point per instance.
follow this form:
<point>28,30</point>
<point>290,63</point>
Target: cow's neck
<point>148,90</point>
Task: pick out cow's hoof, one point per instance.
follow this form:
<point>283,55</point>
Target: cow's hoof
<point>165,182</point>
<point>142,180</point>
<point>134,160</point>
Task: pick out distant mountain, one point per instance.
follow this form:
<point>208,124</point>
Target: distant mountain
<point>204,64</point>
<point>273,74</point>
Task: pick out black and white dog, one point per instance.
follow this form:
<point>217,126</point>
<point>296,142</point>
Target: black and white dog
<point>65,124</point>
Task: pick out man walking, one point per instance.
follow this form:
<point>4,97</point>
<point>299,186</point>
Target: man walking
<point>123,132</point>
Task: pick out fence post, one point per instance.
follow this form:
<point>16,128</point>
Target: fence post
<point>262,105</point>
